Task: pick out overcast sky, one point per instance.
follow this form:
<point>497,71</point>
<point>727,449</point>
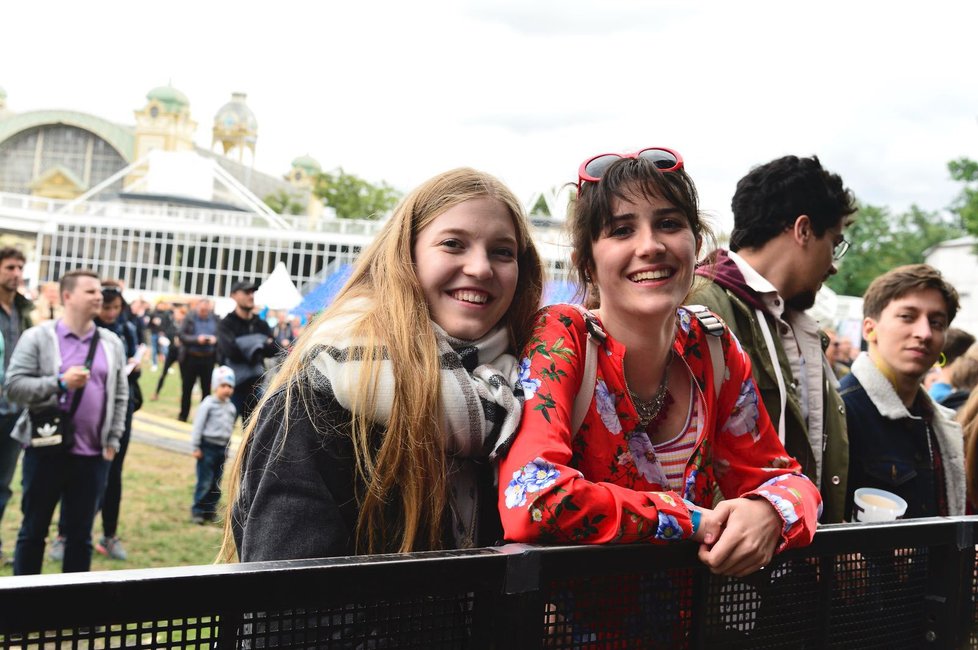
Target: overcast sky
<point>883,92</point>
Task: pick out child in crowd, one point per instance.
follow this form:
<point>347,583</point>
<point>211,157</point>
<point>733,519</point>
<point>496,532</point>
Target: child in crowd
<point>210,437</point>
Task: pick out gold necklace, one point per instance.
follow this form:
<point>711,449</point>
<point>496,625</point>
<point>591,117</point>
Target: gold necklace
<point>648,409</point>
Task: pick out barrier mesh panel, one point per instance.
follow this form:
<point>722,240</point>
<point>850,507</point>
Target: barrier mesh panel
<point>633,610</point>
<point>423,622</point>
<point>973,629</point>
<point>772,609</point>
<point>878,600</point>
<point>189,633</point>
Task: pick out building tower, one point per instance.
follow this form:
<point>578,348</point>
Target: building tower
<point>163,123</point>
<point>302,176</point>
<point>236,128</point>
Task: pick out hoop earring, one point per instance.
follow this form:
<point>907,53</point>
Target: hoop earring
<point>942,360</point>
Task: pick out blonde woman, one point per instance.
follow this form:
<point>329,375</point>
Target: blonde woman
<point>375,435</point>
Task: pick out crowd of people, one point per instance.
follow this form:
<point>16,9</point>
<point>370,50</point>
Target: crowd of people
<point>686,396</point>
<point>73,357</point>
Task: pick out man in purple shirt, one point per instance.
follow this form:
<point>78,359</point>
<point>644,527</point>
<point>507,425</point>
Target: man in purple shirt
<point>47,370</point>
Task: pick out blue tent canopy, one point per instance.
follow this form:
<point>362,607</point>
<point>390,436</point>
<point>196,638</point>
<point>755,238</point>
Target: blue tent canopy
<point>559,291</point>
<point>320,297</point>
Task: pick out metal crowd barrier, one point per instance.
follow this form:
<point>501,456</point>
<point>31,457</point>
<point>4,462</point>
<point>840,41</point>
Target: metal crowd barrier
<point>909,584</point>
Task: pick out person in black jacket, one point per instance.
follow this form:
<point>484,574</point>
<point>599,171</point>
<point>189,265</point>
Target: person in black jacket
<point>198,350</point>
<point>244,341</point>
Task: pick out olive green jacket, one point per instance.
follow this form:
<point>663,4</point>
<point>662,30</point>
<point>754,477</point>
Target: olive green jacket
<point>742,321</point>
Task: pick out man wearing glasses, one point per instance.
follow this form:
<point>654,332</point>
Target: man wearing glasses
<point>788,220</point>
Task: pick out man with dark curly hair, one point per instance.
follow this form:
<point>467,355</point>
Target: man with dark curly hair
<point>789,215</point>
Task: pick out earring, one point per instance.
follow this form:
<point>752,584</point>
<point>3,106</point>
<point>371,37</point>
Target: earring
<point>942,360</point>
<point>587,277</point>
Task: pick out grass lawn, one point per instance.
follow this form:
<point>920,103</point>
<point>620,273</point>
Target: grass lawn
<point>157,487</point>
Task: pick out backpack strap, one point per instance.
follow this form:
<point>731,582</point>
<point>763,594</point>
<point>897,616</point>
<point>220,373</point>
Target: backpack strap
<point>714,328</point>
<point>595,337</point>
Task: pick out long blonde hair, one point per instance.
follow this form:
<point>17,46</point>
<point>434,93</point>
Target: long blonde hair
<point>408,465</point>
<point>967,417</point>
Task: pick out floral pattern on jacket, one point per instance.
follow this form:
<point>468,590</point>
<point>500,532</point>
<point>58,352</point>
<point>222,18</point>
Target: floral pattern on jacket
<point>558,487</point>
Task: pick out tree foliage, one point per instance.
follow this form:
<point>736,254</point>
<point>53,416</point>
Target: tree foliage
<point>965,205</point>
<point>281,202</point>
<point>354,198</point>
<point>882,240</point>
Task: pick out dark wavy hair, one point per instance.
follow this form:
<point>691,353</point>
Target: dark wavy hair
<point>628,178</point>
<point>772,196</point>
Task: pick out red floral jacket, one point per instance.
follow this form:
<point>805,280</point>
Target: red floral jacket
<point>594,487</point>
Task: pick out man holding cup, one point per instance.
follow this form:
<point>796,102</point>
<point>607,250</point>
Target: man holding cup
<point>900,440</point>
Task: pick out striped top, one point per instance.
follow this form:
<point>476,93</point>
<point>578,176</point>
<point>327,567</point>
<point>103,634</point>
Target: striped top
<point>673,455</point>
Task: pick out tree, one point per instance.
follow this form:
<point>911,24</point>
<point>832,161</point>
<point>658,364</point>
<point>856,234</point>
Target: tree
<point>354,198</point>
<point>540,208</point>
<point>281,202</point>
<point>965,205</point>
<point>882,241</point>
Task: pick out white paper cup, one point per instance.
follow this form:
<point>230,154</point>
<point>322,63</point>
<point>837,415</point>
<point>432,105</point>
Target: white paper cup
<point>871,504</point>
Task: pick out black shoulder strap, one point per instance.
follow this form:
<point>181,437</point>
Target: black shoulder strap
<point>76,399</point>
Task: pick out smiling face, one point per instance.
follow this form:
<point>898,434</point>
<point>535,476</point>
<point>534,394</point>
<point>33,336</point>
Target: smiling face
<point>465,261</point>
<point>909,334</point>
<point>644,261</point>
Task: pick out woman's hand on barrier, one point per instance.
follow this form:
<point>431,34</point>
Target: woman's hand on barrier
<point>748,538</point>
<point>710,525</point>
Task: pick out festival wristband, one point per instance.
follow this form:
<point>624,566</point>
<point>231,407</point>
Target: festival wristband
<point>694,516</point>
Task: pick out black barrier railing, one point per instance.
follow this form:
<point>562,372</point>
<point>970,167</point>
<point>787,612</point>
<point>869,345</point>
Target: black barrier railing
<point>903,585</point>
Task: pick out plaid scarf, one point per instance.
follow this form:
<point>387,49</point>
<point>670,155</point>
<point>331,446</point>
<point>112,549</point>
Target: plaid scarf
<point>481,401</point>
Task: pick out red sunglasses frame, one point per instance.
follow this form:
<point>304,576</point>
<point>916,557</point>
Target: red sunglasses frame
<point>584,177</point>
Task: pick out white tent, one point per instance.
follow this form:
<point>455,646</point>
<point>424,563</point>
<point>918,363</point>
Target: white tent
<point>278,291</point>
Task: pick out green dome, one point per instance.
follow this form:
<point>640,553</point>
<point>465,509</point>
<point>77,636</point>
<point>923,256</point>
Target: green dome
<point>307,164</point>
<point>172,99</point>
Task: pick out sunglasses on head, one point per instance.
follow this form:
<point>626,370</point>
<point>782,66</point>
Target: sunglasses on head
<point>111,291</point>
<point>592,169</point>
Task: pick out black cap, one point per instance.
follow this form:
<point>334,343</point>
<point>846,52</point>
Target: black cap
<point>243,285</point>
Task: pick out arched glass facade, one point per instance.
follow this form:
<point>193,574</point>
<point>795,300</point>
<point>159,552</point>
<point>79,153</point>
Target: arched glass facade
<point>27,155</point>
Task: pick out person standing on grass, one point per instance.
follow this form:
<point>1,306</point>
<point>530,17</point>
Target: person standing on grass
<point>211,435</point>
<point>47,370</point>
<point>161,332</point>
<point>15,317</point>
<point>198,339</point>
<point>111,317</point>
<point>174,350</point>
<point>245,341</point>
